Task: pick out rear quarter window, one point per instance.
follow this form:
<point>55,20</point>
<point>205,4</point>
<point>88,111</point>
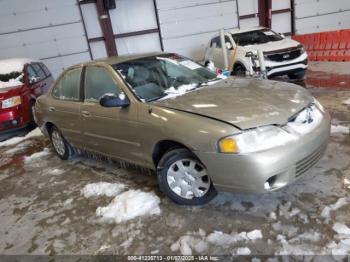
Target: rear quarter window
<point>45,69</point>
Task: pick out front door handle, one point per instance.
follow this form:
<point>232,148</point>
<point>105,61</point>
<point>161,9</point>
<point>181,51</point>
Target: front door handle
<point>51,109</point>
<point>85,113</point>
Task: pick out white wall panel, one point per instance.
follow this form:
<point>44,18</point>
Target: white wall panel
<point>133,15</point>
<point>249,22</point>
<point>198,19</point>
<point>57,65</point>
<point>98,49</point>
<point>248,7</point>
<point>187,26</point>
<point>281,23</point>
<point>280,4</point>
<point>192,46</point>
<point>43,29</point>
<point>306,8</point>
<point>138,44</point>
<point>91,20</point>
<point>323,23</point>
<point>321,15</point>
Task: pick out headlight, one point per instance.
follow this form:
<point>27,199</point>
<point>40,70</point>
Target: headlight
<point>11,102</point>
<point>256,140</point>
<point>302,49</point>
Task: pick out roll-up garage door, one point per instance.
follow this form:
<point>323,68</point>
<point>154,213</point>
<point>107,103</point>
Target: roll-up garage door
<point>321,15</point>
<point>187,26</point>
<point>48,30</point>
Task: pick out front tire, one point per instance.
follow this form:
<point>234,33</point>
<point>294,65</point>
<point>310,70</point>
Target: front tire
<point>184,179</point>
<point>61,146</point>
<point>239,70</point>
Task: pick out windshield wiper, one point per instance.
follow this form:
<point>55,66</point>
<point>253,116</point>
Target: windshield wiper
<point>156,98</point>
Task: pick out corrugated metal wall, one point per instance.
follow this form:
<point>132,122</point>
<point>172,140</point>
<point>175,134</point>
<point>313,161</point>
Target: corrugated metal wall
<point>44,29</point>
<point>52,30</point>
<point>187,25</point>
<point>313,16</point>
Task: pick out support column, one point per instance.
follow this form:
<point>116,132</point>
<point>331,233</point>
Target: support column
<point>107,29</point>
<point>265,13</point>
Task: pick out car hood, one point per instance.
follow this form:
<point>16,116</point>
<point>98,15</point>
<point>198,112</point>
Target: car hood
<point>274,45</point>
<point>244,103</point>
<point>10,91</point>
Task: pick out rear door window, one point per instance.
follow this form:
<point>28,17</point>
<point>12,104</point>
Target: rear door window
<point>33,76</point>
<point>68,86</point>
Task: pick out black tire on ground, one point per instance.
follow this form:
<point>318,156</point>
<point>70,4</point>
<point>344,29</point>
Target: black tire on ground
<point>297,76</point>
<point>66,149</point>
<point>167,162</point>
<point>239,70</point>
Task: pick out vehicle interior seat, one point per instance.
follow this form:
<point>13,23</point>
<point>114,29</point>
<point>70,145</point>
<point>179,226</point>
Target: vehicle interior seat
<point>142,85</point>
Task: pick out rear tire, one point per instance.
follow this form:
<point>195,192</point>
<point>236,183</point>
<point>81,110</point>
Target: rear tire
<point>62,148</point>
<point>297,76</point>
<point>184,179</point>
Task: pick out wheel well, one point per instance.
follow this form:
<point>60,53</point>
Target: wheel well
<point>48,127</point>
<point>163,147</point>
<point>237,64</point>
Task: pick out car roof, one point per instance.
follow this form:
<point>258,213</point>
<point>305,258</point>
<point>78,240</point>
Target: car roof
<point>117,59</point>
<point>237,31</point>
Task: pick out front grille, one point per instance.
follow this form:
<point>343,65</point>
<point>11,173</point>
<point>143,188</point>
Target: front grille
<point>285,56</point>
<point>309,161</point>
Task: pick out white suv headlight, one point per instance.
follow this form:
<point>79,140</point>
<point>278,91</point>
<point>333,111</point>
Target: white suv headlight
<point>11,102</point>
<point>256,140</point>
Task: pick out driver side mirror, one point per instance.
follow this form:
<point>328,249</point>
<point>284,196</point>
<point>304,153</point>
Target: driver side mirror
<point>112,100</point>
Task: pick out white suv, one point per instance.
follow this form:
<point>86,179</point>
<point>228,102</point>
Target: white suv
<point>282,56</point>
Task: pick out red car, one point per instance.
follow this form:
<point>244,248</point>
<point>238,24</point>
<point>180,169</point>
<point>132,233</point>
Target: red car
<point>21,82</point>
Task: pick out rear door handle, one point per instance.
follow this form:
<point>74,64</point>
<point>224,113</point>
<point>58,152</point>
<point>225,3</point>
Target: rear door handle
<point>51,109</point>
<point>85,113</point>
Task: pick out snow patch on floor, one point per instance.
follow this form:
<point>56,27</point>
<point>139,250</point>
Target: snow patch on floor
<point>15,140</point>
<point>346,102</point>
<point>199,242</point>
<point>129,205</point>
<point>102,189</point>
<point>56,172</point>
<point>339,129</point>
<point>340,202</point>
<point>36,156</point>
<point>341,228</point>
<point>243,251</point>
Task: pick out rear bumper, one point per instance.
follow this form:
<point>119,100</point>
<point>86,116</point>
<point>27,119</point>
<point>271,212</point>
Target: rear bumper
<point>279,166</point>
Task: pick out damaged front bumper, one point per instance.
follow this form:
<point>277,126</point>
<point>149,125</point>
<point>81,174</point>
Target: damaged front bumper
<point>268,170</point>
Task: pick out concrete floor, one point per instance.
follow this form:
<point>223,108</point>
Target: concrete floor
<point>44,212</point>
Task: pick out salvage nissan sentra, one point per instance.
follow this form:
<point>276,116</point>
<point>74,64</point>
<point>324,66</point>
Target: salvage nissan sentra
<point>199,132</point>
